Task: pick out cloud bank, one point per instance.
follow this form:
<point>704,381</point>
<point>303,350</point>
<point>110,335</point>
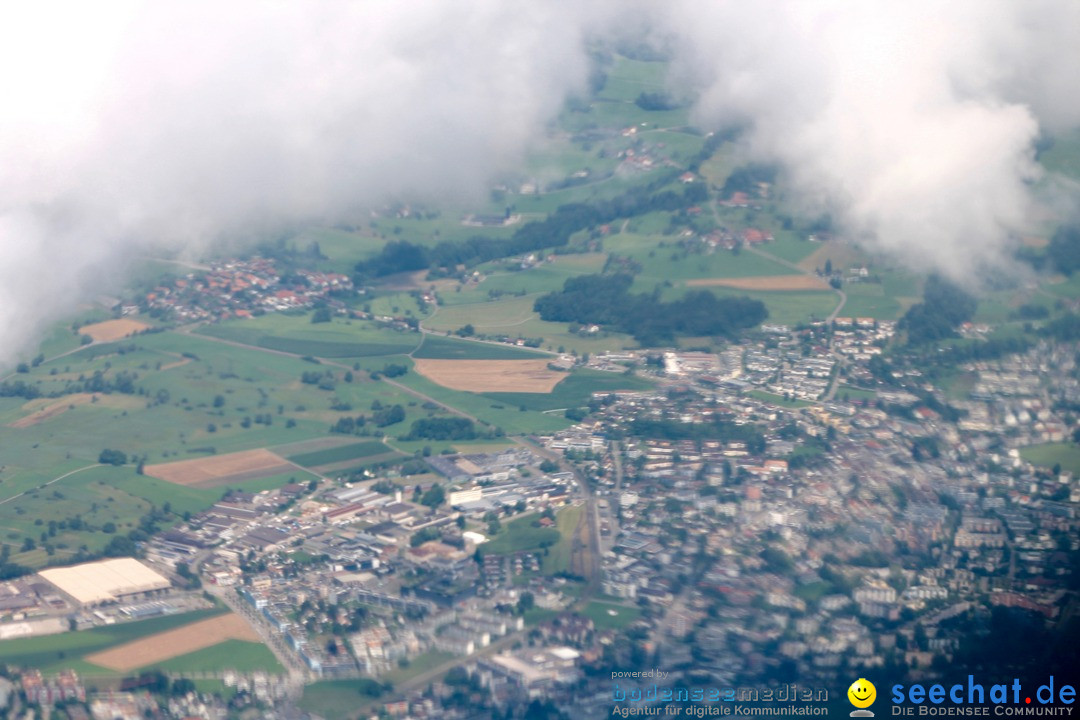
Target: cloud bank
<point>913,124</point>
<point>129,127</point>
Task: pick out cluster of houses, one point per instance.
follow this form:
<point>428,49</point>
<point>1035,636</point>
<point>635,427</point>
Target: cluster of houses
<point>242,288</point>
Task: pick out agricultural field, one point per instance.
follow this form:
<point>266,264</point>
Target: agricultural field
<point>187,398</point>
<point>154,649</point>
<point>50,653</point>
<point>296,334</point>
<point>792,307</point>
<point>522,376</point>
<point>763,282</point>
<point>339,454</point>
<point>574,390</point>
<point>487,315</point>
<point>185,499</point>
<point>496,414</point>
<point>112,330</point>
<point>437,347</point>
<point>218,470</point>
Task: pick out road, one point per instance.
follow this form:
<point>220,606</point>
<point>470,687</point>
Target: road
<point>297,672</point>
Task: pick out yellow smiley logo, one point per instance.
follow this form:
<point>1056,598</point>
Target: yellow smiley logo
<point>862,693</point>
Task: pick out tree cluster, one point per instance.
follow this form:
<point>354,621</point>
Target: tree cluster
<point>607,300</point>
<point>553,231</point>
<point>944,306</point>
<point>656,101</point>
<point>1064,249</point>
<point>443,429</point>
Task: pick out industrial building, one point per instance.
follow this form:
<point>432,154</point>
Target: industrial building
<point>106,581</point>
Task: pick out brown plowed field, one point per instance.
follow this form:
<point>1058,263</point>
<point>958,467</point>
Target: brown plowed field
<point>491,375</point>
<point>113,329</point>
<point>219,470</point>
<point>764,282</point>
<point>173,643</point>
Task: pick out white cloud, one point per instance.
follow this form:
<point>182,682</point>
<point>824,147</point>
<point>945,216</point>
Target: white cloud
<point>128,127</point>
<point>912,123</point>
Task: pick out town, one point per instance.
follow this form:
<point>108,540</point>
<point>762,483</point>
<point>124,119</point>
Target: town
<point>780,509</point>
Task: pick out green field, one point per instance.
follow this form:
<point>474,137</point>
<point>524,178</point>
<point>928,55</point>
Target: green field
<point>508,417</point>
<point>196,397</point>
<point>339,454</point>
<point>520,536</point>
<point>419,664</point>
<point>601,615</point>
<point>50,653</point>
<point>790,307</point>
<point>557,559</point>
<point>437,347</point>
<point>790,246</point>
<point>576,390</point>
<point>870,300</point>
<point>500,316</point>
<point>339,698</point>
<point>1067,455</point>
<point>296,334</point>
<point>846,392</point>
<point>238,655</point>
<point>1064,155</point>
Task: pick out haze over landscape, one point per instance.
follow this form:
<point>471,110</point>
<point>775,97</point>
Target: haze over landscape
<point>138,128</point>
<point>544,361</point>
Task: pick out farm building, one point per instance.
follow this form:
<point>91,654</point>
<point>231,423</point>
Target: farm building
<point>105,581</point>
